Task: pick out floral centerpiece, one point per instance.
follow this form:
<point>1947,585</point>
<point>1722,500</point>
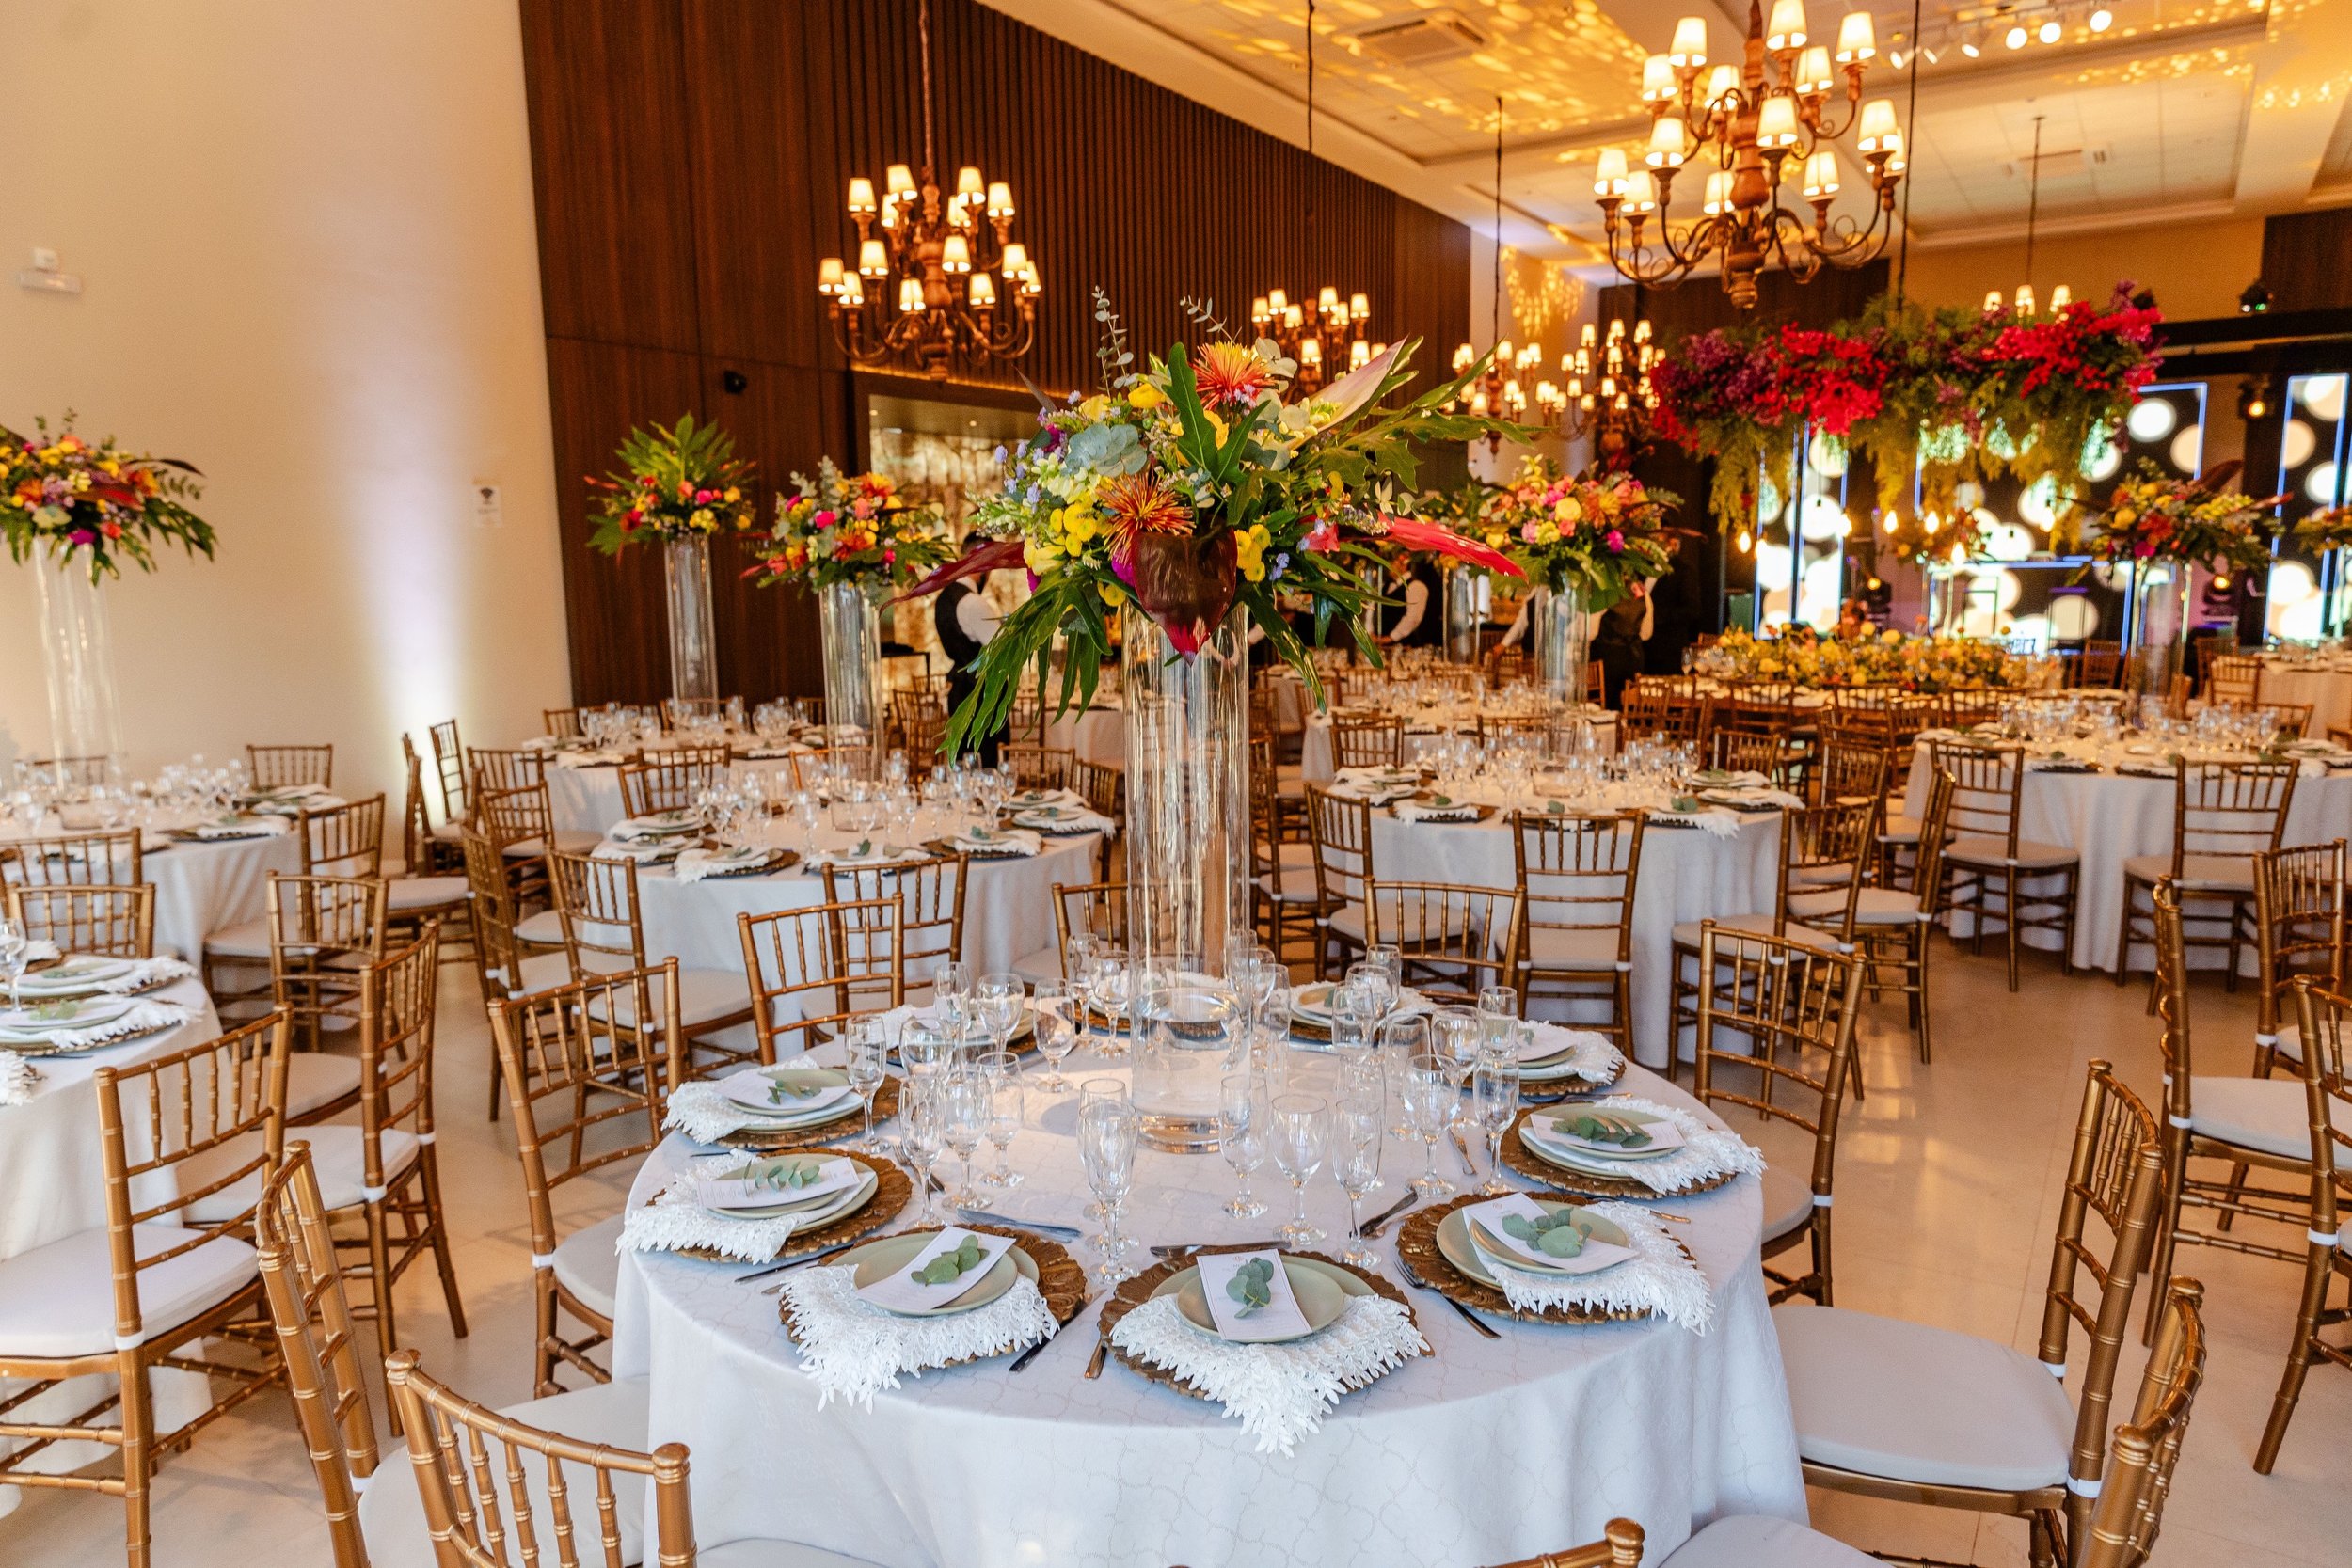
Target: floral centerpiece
<point>677,487</point>
<point>62,495</point>
<point>1603,536</point>
<point>1797,655</point>
<point>2329,529</point>
<point>2152,517</point>
<point>853,528</point>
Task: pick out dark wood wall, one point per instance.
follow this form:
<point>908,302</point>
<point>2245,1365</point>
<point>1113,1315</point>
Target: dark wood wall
<point>690,159</point>
<point>2307,260</point>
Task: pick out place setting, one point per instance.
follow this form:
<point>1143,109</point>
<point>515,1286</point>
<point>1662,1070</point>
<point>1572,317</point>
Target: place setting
<point>66,1025</point>
<point>771,1109</point>
<point>763,1209</point>
<point>1543,1259</point>
<point>1624,1147</point>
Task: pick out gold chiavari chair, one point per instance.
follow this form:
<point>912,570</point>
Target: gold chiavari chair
<point>1368,743</point>
<point>144,1291</point>
<point>2100,664</point>
<point>577,1084</point>
<point>1620,1546</point>
<point>932,895</point>
<point>1683,989</point>
<point>2123,1522</point>
<point>315,935</point>
<point>1654,709</point>
<point>2298,929</point>
<point>1852,766</point>
<point>670,780</point>
<point>1578,876</point>
<point>604,933</point>
<point>924,733</point>
<point>1037,767</point>
<point>562,723</point>
<point>1777,1038</point>
<point>109,922</point>
<point>488,769</point>
<point>1454,940</point>
<point>1095,909</point>
<point>1536,727</point>
<point>1965,709</point>
<point>283,767</point>
<point>511,962</point>
<point>2326,1022</point>
<point>345,840</point>
<point>1282,861</point>
<point>90,860</point>
<point>813,969</point>
<point>1339,830</point>
<point>1911,1413</point>
<point>1741,751</point>
<point>75,772</point>
<point>1989,857</point>
<point>1104,786</point>
<point>1825,852</point>
<point>2246,1124</point>
<point>2233,680</point>
<point>2224,814</point>
<point>449,760</point>
<point>427,848</point>
<point>521,822</point>
<point>2293,719</point>
<point>1891,926</point>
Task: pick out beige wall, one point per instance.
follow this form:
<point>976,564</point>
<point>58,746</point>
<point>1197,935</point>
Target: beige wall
<point>2197,269</point>
<point>305,233</point>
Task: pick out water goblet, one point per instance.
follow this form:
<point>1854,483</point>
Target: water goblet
<point>15,950</point>
<point>1004,1115</point>
<point>1495,1104</point>
<point>920,1143</point>
<point>963,1104</point>
<point>1498,1018</point>
<point>1355,1139</point>
<point>1399,1041</point>
<point>1058,1008</point>
<point>1387,962</point>
<point>1298,1129</point>
<point>1107,1133</point>
<point>1241,1137</point>
<point>1430,1102</point>
<point>870,1064</point>
<point>997,1000</point>
<point>928,1048</point>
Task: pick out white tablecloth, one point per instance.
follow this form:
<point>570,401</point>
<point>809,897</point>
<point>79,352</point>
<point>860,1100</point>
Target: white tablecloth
<point>1317,765</point>
<point>587,800</point>
<point>2328,690</point>
<point>205,887</point>
<point>2109,818</point>
<point>1487,1451</point>
<point>1097,734</point>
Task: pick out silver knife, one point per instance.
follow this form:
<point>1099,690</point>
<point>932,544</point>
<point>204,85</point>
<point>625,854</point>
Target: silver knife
<point>1379,1221</point>
<point>825,1252</point>
<point>1461,1148</point>
<point>982,1216</point>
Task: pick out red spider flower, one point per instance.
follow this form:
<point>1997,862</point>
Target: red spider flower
<point>1140,505</point>
<point>1230,374</point>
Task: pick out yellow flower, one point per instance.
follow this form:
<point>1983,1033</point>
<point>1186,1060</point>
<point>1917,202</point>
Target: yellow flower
<point>731,495</point>
<point>1497,539</point>
<point>1549,534</point>
<point>1095,406</point>
<point>1249,551</point>
<point>1039,557</point>
<point>1215,423</point>
<point>1145,396</point>
<point>1114,595</point>
<point>701,520</point>
<point>1568,511</point>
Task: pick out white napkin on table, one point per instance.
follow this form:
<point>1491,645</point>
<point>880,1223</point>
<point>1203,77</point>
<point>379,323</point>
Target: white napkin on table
<point>854,1349</point>
<point>19,1078</point>
<point>1369,783</point>
<point>998,841</point>
<point>136,1020</point>
<point>1707,1151</point>
<point>1068,819</point>
<point>629,829</point>
<point>1066,799</point>
<point>1656,1277</point>
<point>310,799</point>
<point>695,864</point>
<point>589,759</point>
<point>41,951</point>
<point>703,1111</point>
<point>1714,821</point>
<point>143,974</point>
<point>1280,1393</point>
<point>1457,810</point>
<point>244,827</point>
<point>1592,1057</point>
<point>676,1220</point>
<point>877,853</point>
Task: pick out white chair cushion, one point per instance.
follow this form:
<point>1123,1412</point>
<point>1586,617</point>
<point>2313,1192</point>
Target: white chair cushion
<point>316,1078</point>
<point>1980,851</point>
<point>401,893</point>
<point>1297,885</point>
<point>588,1265</point>
<point>338,1155</point>
<point>392,1517</point>
<point>449,832</point>
<point>1835,875</point>
<point>2199,873</point>
<point>1907,1402</point>
<point>1900,829</point>
<point>704,995</point>
<point>1873,906</point>
<point>1787,1200</point>
<point>1348,920</point>
<point>1576,948</point>
<point>568,841</point>
<point>59,1300</point>
<point>1754,1541</point>
<point>543,929</point>
<point>540,971</point>
<point>1686,933</point>
<point>248,940</point>
<point>774,1554</point>
<point>2268,1114</point>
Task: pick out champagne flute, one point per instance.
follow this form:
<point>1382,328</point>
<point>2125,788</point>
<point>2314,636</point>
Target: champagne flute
<point>964,1122</point>
<point>1108,1131</point>
<point>1058,1008</point>
<point>920,1142</point>
<point>870,1064</point>
<point>1242,1137</point>
<point>1097,1091</point>
<point>1387,963</point>
<point>1400,1039</point>
<point>1495,1100</point>
<point>1430,1102</point>
<point>1109,988</point>
<point>1453,1034</point>
<point>1297,1132</point>
<point>15,950</point>
<point>1004,1115</point>
<point>1356,1137</point>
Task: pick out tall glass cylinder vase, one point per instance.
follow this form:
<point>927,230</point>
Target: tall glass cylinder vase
<point>2160,624</point>
<point>693,627</point>
<point>1187,868</point>
<point>1556,620</point>
<point>1462,617</point>
<point>850,626</point>
<point>84,718</point>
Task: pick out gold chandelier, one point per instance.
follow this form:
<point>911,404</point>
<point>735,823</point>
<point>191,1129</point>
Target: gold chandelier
<point>925,285</point>
<point>1750,122</point>
<point>2060,296</point>
<point>1316,336</point>
<point>1608,393</point>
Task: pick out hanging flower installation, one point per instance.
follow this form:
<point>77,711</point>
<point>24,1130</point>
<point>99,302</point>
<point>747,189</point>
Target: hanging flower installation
<point>2329,529</point>
<point>1602,535</point>
<point>2152,516</point>
<point>61,495</point>
<point>850,527</point>
<point>1953,395</point>
<point>1193,485</point>
<point>683,482</point>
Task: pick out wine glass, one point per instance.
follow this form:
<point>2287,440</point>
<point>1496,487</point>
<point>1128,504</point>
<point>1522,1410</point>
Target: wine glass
<point>15,950</point>
<point>997,1001</point>
<point>1495,1103</point>
<point>1108,1131</point>
<point>921,1142</point>
<point>1399,1040</point>
<point>870,1064</point>
<point>1004,1115</point>
<point>952,986</point>
<point>1497,1019</point>
<point>963,1104</point>
<point>1099,1091</point>
<point>1386,961</point>
<point>1355,1136</point>
<point>1430,1102</point>
<point>1454,1036</point>
<point>1242,1137</point>
<point>1058,1008</point>
<point>1108,989</point>
<point>928,1051</point>
<point>1297,1129</point>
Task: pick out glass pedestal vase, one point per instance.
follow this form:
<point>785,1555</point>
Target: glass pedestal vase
<point>2161,626</point>
<point>77,647</point>
<point>1556,621</point>
<point>1187,868</point>
<point>693,626</point>
<point>1462,617</point>
<point>849,624</point>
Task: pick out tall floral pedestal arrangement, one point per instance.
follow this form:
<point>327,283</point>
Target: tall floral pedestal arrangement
<point>1462,617</point>
<point>677,487</point>
<point>76,509</point>
<point>2160,621</point>
<point>848,627</point>
<point>1555,619</point>
<point>2164,528</point>
<point>1587,543</point>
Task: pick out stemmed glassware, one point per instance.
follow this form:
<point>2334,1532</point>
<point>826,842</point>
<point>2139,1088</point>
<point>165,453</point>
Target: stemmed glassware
<point>1454,1036</point>
<point>1399,1041</point>
<point>870,1064</point>
<point>921,1142</point>
<point>1060,1006</point>
<point>1004,1115</point>
<point>1497,1019</point>
<point>964,1114</point>
<point>928,1051</point>
<point>15,950</point>
<point>1356,1137</point>
<point>1108,989</point>
<point>1297,1129</point>
<point>1495,1103</point>
<point>997,1001</point>
<point>1430,1102</point>
<point>1098,1091</point>
<point>1108,1133</point>
<point>1241,1137</point>
<point>1386,964</point>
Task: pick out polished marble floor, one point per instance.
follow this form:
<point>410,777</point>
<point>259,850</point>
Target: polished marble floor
<point>1947,1192</point>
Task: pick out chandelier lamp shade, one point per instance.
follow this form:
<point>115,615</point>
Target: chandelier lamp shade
<point>1743,134</point>
<point>1608,393</point>
<point>938,277</point>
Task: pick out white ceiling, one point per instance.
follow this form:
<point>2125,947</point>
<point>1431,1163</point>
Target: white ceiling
<point>2230,106</point>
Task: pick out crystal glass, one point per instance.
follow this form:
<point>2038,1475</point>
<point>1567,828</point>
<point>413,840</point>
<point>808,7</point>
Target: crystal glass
<point>1430,1101</point>
<point>1058,1008</point>
<point>1107,1134</point>
<point>963,1104</point>
<point>14,949</point>
<point>1003,1080</point>
<point>870,1064</point>
<point>1454,1036</point>
<point>1387,963</point>
<point>1355,1139</point>
<point>1241,1134</point>
<point>1297,1128</point>
<point>1497,1019</point>
<point>1399,1040</point>
<point>1108,989</point>
<point>849,624</point>
<point>921,1140</point>
<point>997,1000</point>
<point>693,624</point>
<point>1495,1103</point>
<point>1099,1091</point>
<point>951,993</point>
<point>928,1051</point>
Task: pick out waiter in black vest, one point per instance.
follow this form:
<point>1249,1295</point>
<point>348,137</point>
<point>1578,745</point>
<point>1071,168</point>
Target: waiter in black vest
<point>1420,619</point>
<point>965,623</point>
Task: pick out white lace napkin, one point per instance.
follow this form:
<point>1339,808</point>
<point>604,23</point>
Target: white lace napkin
<point>644,851</point>
<point>244,827</point>
<point>143,976</point>
<point>1066,799</point>
<point>1280,1393</point>
<point>138,1019</point>
<point>1454,811</point>
<point>1367,784</point>
<point>19,1078</point>
<point>589,759</point>
<point>674,1222</point>
<point>41,951</point>
<point>308,798</point>
<point>848,856</point>
<point>1755,794</point>
<point>695,864</point>
<point>854,1351</point>
<point>1068,819</point>
<point>1715,821</point>
<point>1590,1055</point>
<point>998,841</point>
<point>703,1111</point>
<point>629,829</point>
<point>1707,1151</point>
<point>1659,1277</point>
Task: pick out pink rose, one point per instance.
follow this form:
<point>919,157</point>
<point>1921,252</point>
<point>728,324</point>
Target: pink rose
<point>1615,540</point>
<point>822,520</point>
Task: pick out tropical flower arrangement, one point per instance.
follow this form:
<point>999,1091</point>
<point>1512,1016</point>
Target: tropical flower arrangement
<point>2152,516</point>
<point>1604,536</point>
<point>850,527</point>
<point>61,492</point>
<point>1953,395</point>
<point>2330,528</point>
<point>1194,484</point>
<point>683,482</point>
<point>1876,658</point>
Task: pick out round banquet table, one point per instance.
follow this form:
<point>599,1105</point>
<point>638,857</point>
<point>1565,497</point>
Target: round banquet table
<point>1686,873</point>
<point>203,886</point>
<point>584,797</point>
<point>52,1182</point>
<point>1317,765</point>
<point>2327,687</point>
<point>1097,734</point>
<point>1485,1451</point>
<point>2106,818</point>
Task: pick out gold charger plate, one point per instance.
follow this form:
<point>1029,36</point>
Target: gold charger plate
<point>1061,1279</point>
<point>1553,1092</point>
<point>1134,1293</point>
<point>778,1140</point>
<point>892,1190</point>
<point>1416,1245</point>
<point>1577,1183</point>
